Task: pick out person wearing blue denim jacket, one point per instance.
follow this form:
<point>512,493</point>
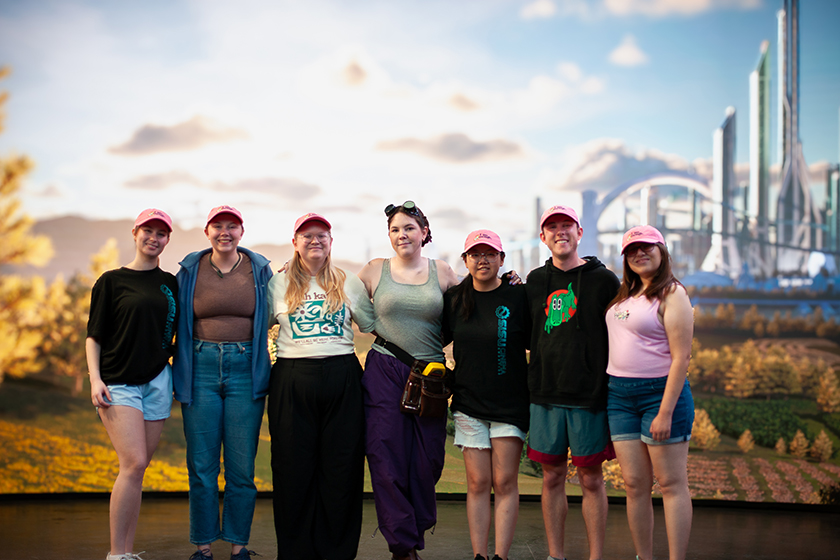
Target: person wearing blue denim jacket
<point>220,376</point>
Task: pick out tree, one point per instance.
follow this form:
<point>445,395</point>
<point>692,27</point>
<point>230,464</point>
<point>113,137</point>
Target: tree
<point>781,447</point>
<point>742,377</point>
<point>777,374</point>
<point>19,297</point>
<point>774,327</point>
<point>746,442</point>
<point>828,392</point>
<point>810,373</point>
<point>704,433</point>
<point>822,448</point>
<point>64,318</point>
<point>799,445</point>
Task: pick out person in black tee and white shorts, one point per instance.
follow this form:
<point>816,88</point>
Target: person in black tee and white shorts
<point>130,336</point>
<point>488,320</point>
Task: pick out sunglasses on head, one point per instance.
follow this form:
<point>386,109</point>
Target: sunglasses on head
<point>408,206</point>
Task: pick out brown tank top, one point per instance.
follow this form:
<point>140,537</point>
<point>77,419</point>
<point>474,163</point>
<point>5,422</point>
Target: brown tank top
<point>224,307</point>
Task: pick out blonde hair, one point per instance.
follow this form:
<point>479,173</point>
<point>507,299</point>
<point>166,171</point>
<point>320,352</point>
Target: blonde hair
<point>330,278</point>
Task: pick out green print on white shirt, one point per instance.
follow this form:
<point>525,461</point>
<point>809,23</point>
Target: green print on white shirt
<point>311,320</point>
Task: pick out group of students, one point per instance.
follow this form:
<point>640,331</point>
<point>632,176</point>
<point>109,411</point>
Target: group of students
<point>326,414</point>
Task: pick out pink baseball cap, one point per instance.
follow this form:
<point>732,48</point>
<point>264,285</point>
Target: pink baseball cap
<point>224,209</point>
<point>641,234</point>
<point>559,209</point>
<point>150,214</point>
<point>310,217</point>
<point>483,237</point>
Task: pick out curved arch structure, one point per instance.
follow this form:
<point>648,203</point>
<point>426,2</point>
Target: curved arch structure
<point>593,208</point>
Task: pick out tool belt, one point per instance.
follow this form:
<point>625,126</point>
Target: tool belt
<point>426,392</point>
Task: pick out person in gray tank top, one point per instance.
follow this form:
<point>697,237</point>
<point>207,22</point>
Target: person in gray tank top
<point>405,452</point>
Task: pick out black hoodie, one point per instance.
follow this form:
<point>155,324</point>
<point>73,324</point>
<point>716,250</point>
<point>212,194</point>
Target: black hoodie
<point>569,336</point>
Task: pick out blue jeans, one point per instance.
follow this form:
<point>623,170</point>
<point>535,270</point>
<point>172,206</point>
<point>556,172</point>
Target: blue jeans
<point>223,412</point>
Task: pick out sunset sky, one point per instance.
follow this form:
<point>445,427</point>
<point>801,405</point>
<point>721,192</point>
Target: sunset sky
<point>471,108</point>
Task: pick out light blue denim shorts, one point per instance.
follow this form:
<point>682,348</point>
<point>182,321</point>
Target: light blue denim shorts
<point>475,433</point>
<point>633,403</point>
<point>153,399</point>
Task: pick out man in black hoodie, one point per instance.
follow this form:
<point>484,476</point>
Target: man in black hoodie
<point>567,377</point>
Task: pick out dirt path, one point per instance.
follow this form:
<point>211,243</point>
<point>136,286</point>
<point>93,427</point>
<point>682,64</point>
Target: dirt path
<point>804,347</point>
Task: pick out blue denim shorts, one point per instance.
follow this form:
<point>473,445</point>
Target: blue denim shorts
<point>476,433</point>
<point>153,399</point>
<point>633,403</point>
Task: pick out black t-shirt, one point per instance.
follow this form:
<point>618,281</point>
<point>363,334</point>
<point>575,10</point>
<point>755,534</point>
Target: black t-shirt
<point>491,369</point>
<point>133,315</point>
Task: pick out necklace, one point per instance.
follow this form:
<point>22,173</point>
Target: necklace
<point>218,270</point>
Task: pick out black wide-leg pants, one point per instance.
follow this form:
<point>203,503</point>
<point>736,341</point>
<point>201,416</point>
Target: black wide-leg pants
<point>316,420</point>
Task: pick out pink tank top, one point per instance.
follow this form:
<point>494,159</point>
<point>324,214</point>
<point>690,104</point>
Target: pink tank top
<point>638,345</point>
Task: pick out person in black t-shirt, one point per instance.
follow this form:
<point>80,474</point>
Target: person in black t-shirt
<point>489,322</point>
<point>130,335</point>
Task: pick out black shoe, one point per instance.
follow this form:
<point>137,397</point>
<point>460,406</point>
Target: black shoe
<point>497,557</point>
<point>243,554</point>
<point>199,555</point>
<point>480,557</point>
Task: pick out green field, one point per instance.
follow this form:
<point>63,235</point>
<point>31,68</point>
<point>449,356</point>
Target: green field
<point>53,442</point>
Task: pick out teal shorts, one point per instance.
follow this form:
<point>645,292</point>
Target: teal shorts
<point>555,430</point>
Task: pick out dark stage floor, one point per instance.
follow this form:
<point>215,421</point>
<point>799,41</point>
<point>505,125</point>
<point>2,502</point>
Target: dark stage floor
<point>78,530</point>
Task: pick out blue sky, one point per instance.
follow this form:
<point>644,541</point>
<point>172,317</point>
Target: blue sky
<point>471,108</point>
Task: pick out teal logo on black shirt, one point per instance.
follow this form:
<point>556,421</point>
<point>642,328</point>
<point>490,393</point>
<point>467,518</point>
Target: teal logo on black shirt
<point>170,315</point>
<point>502,313</point>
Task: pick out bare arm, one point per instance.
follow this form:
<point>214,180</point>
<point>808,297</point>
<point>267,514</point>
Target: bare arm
<point>678,319</point>
<point>446,276</point>
<point>370,275</point>
<point>99,393</point>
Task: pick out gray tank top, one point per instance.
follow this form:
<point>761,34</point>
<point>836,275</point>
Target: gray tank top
<point>409,315</point>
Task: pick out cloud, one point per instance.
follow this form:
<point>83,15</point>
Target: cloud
<point>605,163</point>
<point>287,187</point>
<point>628,53</point>
<point>544,92</point>
<point>453,217</point>
<point>662,8</point>
<point>544,9</point>
<point>349,79</point>
<point>538,9</point>
<point>463,103</point>
<point>353,74</point>
<point>589,9</point>
<point>188,135</point>
<point>456,148</point>
<point>50,191</point>
<point>160,181</point>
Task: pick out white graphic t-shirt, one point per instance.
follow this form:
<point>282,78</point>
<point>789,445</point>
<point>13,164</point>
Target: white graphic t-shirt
<point>310,331</point>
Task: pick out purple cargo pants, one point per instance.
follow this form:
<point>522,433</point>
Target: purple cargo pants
<point>405,454</point>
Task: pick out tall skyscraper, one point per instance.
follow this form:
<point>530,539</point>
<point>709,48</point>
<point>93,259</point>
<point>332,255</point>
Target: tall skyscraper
<point>723,256</point>
<point>796,212</point>
<point>757,208</point>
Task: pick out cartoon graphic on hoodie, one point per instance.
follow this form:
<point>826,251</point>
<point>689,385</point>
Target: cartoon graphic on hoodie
<point>560,307</point>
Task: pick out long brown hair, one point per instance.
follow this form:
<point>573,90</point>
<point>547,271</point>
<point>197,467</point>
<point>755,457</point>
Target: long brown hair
<point>330,278</point>
<point>661,285</point>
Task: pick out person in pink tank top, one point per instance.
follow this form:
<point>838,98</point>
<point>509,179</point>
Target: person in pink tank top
<point>649,403</point>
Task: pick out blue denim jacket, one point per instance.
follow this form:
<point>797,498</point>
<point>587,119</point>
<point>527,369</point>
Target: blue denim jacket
<point>182,370</point>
